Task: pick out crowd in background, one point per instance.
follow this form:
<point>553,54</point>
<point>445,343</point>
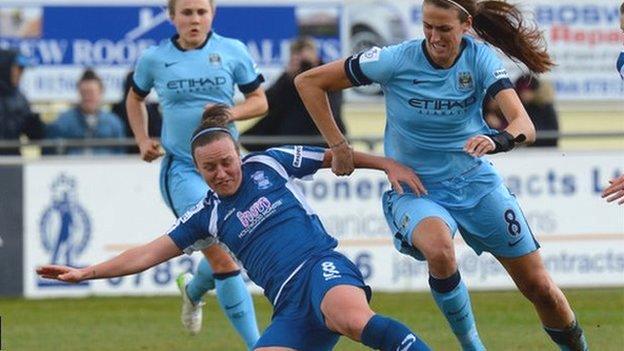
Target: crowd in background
<point>90,119</point>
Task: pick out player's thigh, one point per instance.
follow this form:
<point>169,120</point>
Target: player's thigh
<point>292,329</point>
<point>346,310</point>
<point>406,213</point>
<point>182,187</point>
<point>496,225</point>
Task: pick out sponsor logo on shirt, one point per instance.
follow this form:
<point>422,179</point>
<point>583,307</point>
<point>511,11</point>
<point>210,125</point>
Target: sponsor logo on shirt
<point>371,55</point>
<point>501,73</point>
<point>298,157</point>
<point>198,84</point>
<point>445,107</point>
<point>256,214</point>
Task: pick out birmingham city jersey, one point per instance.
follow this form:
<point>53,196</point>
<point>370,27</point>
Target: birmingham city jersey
<point>187,80</point>
<point>267,224</point>
<point>431,111</point>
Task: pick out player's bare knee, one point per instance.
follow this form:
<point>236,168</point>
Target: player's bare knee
<point>441,259</point>
<point>542,292</point>
<point>351,324</point>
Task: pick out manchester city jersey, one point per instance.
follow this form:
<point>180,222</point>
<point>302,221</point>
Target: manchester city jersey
<point>187,80</point>
<point>431,111</point>
<point>267,224</point>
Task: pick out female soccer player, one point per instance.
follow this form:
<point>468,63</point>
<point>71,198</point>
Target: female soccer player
<point>255,209</point>
<point>197,67</point>
<point>434,89</point>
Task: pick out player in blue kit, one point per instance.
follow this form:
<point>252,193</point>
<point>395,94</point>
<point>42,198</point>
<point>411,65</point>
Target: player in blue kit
<point>196,68</point>
<point>434,89</point>
<point>260,214</point>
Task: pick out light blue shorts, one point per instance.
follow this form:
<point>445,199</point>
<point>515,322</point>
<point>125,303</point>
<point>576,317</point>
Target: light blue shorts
<point>495,224</point>
<point>298,322</point>
<point>181,185</point>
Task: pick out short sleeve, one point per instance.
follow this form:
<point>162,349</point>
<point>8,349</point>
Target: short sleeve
<point>375,65</point>
<point>192,231</point>
<point>298,161</point>
<point>246,73</point>
<point>143,78</point>
<point>490,69</point>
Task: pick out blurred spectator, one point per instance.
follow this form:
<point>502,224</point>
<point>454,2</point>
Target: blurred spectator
<point>154,122</point>
<point>16,118</point>
<point>537,99</point>
<point>287,114</point>
<point>620,60</point>
<point>493,115</point>
<point>87,120</point>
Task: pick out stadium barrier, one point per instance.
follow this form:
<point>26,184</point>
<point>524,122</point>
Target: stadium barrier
<point>81,210</point>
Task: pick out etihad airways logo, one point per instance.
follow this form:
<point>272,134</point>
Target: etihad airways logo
<point>442,106</point>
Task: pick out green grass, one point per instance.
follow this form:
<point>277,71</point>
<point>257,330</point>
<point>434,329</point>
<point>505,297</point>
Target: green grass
<point>506,322</point>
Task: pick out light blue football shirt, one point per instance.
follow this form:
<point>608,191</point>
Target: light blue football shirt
<point>431,111</point>
<point>187,80</point>
<point>267,223</point>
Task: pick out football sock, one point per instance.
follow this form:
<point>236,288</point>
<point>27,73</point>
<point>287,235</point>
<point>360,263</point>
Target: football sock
<point>202,282</point>
<point>570,338</point>
<point>382,333</point>
<point>236,302</point>
<point>451,296</point>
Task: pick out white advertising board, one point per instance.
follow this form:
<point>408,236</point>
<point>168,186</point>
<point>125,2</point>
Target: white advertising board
<point>82,211</point>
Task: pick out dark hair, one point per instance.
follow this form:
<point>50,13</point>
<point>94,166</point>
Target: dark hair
<point>215,116</point>
<point>527,82</point>
<point>89,74</point>
<point>502,25</point>
<point>622,8</point>
<point>301,43</point>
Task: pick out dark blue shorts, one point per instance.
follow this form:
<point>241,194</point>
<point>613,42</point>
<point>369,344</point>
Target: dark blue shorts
<point>298,322</point>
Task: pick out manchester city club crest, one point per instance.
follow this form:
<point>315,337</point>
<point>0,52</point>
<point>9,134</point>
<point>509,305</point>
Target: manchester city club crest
<point>214,59</point>
<point>64,227</point>
<point>465,81</point>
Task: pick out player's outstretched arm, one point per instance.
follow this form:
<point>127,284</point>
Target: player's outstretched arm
<point>397,173</point>
<point>128,262</point>
<point>313,86</point>
<point>615,190</point>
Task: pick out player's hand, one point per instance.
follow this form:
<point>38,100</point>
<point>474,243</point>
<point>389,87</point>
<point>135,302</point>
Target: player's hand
<point>479,145</point>
<point>62,273</point>
<point>398,173</point>
<point>342,160</point>
<point>150,150</point>
<point>615,190</point>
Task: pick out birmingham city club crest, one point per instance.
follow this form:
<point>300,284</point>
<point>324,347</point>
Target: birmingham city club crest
<point>64,227</point>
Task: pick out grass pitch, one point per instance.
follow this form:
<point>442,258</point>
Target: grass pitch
<point>506,322</point>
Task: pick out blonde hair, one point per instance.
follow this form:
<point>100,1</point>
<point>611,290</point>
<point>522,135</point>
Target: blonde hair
<point>172,3</point>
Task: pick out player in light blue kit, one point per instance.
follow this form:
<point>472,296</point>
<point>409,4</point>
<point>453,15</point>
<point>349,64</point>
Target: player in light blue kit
<point>260,214</point>
<point>434,89</point>
<point>196,68</point>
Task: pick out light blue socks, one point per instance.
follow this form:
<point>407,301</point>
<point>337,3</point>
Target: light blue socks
<point>451,296</point>
<point>233,296</point>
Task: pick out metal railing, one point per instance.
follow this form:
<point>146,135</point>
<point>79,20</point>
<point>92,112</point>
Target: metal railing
<point>59,146</point>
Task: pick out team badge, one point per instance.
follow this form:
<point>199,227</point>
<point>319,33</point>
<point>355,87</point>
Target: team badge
<point>261,180</point>
<point>214,59</point>
<point>465,81</point>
